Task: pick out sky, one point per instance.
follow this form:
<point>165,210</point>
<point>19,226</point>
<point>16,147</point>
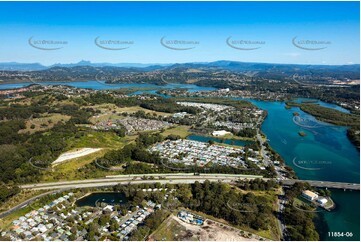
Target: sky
<point>269,32</point>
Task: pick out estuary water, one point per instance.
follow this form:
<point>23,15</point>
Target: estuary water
<point>101,85</point>
<point>325,153</point>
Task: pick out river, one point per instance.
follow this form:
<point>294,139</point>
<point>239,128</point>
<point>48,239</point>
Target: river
<point>325,153</point>
<point>101,85</point>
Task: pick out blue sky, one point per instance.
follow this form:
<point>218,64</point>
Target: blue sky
<point>272,25</point>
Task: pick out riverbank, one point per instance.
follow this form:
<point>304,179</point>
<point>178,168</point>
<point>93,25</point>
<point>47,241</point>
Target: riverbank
<point>332,116</point>
<point>326,150</point>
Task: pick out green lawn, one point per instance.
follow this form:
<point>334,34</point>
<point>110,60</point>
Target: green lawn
<point>181,130</point>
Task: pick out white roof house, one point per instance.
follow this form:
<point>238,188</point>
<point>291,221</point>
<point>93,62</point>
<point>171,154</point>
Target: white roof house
<point>220,132</point>
<point>309,195</point>
<point>322,201</point>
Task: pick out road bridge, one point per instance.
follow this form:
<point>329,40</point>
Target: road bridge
<point>175,178</point>
<point>325,184</point>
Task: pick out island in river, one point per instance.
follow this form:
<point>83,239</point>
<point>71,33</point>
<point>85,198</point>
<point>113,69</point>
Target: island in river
<point>326,144</point>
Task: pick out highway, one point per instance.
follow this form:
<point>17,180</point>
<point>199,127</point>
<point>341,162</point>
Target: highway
<point>26,203</point>
<point>177,178</point>
<point>174,178</point>
<point>281,201</point>
<point>171,178</point>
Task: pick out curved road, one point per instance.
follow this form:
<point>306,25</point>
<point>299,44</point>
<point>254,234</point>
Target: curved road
<point>172,178</point>
<point>27,202</point>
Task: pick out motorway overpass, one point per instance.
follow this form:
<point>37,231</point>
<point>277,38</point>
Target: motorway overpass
<point>174,178</point>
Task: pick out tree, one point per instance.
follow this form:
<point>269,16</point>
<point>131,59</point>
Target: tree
<point>104,219</point>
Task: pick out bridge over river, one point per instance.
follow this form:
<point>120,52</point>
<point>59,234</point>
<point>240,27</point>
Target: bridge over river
<point>326,184</point>
<point>175,178</point>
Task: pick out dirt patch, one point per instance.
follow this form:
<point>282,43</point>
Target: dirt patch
<point>75,154</point>
<point>210,231</point>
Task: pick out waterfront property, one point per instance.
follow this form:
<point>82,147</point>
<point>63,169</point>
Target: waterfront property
<point>189,152</point>
<point>220,132</point>
<point>322,201</point>
<point>309,195</point>
<point>57,220</point>
<point>213,107</point>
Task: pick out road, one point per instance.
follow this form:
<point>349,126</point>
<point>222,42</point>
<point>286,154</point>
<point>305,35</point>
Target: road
<point>266,160</point>
<point>280,203</point>
<point>174,179</point>
<point>138,179</point>
<point>26,203</point>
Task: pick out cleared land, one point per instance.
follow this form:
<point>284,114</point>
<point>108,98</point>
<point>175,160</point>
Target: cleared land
<point>47,121</point>
<point>181,130</point>
<point>96,139</point>
<point>75,154</point>
<point>71,170</point>
<point>175,229</point>
<point>111,111</point>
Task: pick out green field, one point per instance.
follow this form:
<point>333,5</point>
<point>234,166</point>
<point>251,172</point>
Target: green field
<point>181,130</point>
<point>95,139</point>
<point>111,111</point>
<point>47,121</point>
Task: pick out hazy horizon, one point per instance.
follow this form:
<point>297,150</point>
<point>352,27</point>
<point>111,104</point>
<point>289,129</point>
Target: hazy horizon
<point>170,63</point>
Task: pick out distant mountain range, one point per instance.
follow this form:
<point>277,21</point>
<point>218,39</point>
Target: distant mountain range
<point>222,64</point>
<point>15,66</point>
<point>183,72</point>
